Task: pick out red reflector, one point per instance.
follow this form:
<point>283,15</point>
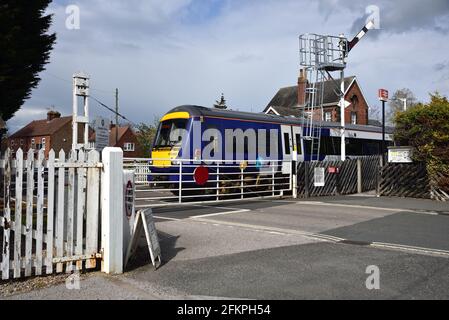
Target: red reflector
<point>201,175</point>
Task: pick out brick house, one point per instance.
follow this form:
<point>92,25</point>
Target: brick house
<point>289,101</point>
<point>54,132</point>
<point>127,140</point>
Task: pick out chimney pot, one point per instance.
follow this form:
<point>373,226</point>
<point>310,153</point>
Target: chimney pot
<point>53,115</point>
<point>302,86</point>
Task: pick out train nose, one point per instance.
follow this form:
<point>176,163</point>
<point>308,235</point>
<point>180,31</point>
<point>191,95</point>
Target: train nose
<point>162,158</point>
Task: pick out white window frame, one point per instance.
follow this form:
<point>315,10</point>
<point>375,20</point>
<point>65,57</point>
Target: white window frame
<point>328,113</point>
<point>129,147</point>
<point>354,118</point>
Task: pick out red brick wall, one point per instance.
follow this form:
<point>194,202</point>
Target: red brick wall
<point>60,140</point>
<point>361,109</point>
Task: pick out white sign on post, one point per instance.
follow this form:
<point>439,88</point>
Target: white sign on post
<point>101,133</point>
<point>319,177</point>
<point>400,155</point>
<point>145,223</point>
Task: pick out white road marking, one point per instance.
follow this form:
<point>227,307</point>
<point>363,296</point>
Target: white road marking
<point>165,218</point>
<point>219,214</point>
<point>328,204</point>
<point>214,207</point>
<point>402,247</point>
<point>260,228</point>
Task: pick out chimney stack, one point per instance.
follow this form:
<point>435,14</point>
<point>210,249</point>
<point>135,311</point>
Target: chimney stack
<point>53,115</point>
<point>302,86</point>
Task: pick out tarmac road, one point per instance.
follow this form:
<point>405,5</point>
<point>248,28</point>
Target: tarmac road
<point>281,249</point>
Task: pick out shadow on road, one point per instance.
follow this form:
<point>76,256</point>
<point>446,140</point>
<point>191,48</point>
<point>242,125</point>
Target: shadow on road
<point>168,251</point>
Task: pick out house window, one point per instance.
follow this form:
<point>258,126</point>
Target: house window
<point>328,116</point>
<point>21,142</point>
<point>353,117</point>
<point>43,141</point>
<point>33,143</point>
<point>355,101</point>
<point>129,147</point>
<point>12,143</point>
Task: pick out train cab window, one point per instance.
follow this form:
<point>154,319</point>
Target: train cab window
<point>165,130</point>
<point>287,143</point>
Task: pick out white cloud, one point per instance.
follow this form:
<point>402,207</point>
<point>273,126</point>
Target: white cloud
<point>160,59</point>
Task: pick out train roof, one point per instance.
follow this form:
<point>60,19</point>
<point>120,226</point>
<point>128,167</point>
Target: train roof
<point>198,111</point>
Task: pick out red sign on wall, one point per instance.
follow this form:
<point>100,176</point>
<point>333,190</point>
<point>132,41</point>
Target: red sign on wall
<point>333,170</point>
<point>383,95</point>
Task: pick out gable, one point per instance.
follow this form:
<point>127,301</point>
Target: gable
<point>288,97</point>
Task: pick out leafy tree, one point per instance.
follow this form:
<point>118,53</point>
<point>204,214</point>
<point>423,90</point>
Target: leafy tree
<point>24,50</point>
<point>146,134</point>
<point>426,128</point>
<point>396,104</point>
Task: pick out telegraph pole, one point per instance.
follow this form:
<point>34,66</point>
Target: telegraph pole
<point>116,117</point>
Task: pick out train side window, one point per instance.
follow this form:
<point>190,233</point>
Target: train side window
<point>268,143</point>
<point>298,144</point>
<point>287,143</point>
<point>246,148</point>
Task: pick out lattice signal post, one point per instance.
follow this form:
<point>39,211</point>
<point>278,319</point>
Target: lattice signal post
<point>320,56</point>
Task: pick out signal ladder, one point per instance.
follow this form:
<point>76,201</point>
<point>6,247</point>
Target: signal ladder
<point>313,111</point>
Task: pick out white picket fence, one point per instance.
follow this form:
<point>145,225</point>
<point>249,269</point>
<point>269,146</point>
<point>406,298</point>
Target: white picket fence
<point>50,212</point>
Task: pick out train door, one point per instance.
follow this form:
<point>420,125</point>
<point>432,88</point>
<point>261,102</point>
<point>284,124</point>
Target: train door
<point>298,143</point>
<point>287,149</point>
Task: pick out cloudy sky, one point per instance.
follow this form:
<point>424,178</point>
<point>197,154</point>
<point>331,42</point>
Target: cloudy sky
<point>165,53</point>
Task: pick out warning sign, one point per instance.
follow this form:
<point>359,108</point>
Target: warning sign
<point>145,224</point>
<point>101,133</point>
<point>319,177</point>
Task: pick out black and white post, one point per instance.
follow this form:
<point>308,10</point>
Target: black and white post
<point>383,96</point>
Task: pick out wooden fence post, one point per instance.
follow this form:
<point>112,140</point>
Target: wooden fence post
<point>359,176</point>
<point>379,177</point>
<point>112,211</point>
<point>306,179</point>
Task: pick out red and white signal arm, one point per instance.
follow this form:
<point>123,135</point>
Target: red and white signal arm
<point>383,95</point>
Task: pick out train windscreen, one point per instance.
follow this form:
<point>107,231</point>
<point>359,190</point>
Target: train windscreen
<point>166,136</point>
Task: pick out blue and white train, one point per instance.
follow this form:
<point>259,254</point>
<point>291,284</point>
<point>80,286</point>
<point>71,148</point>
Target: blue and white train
<point>205,134</point>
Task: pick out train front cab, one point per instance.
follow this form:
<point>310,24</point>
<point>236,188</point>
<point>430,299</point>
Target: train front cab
<point>165,150</point>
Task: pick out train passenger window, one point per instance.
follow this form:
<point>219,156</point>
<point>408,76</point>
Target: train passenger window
<point>287,143</point>
<point>298,144</point>
<point>268,143</point>
<point>246,147</point>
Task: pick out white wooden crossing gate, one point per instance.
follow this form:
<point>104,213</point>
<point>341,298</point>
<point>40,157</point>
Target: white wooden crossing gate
<point>50,212</point>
